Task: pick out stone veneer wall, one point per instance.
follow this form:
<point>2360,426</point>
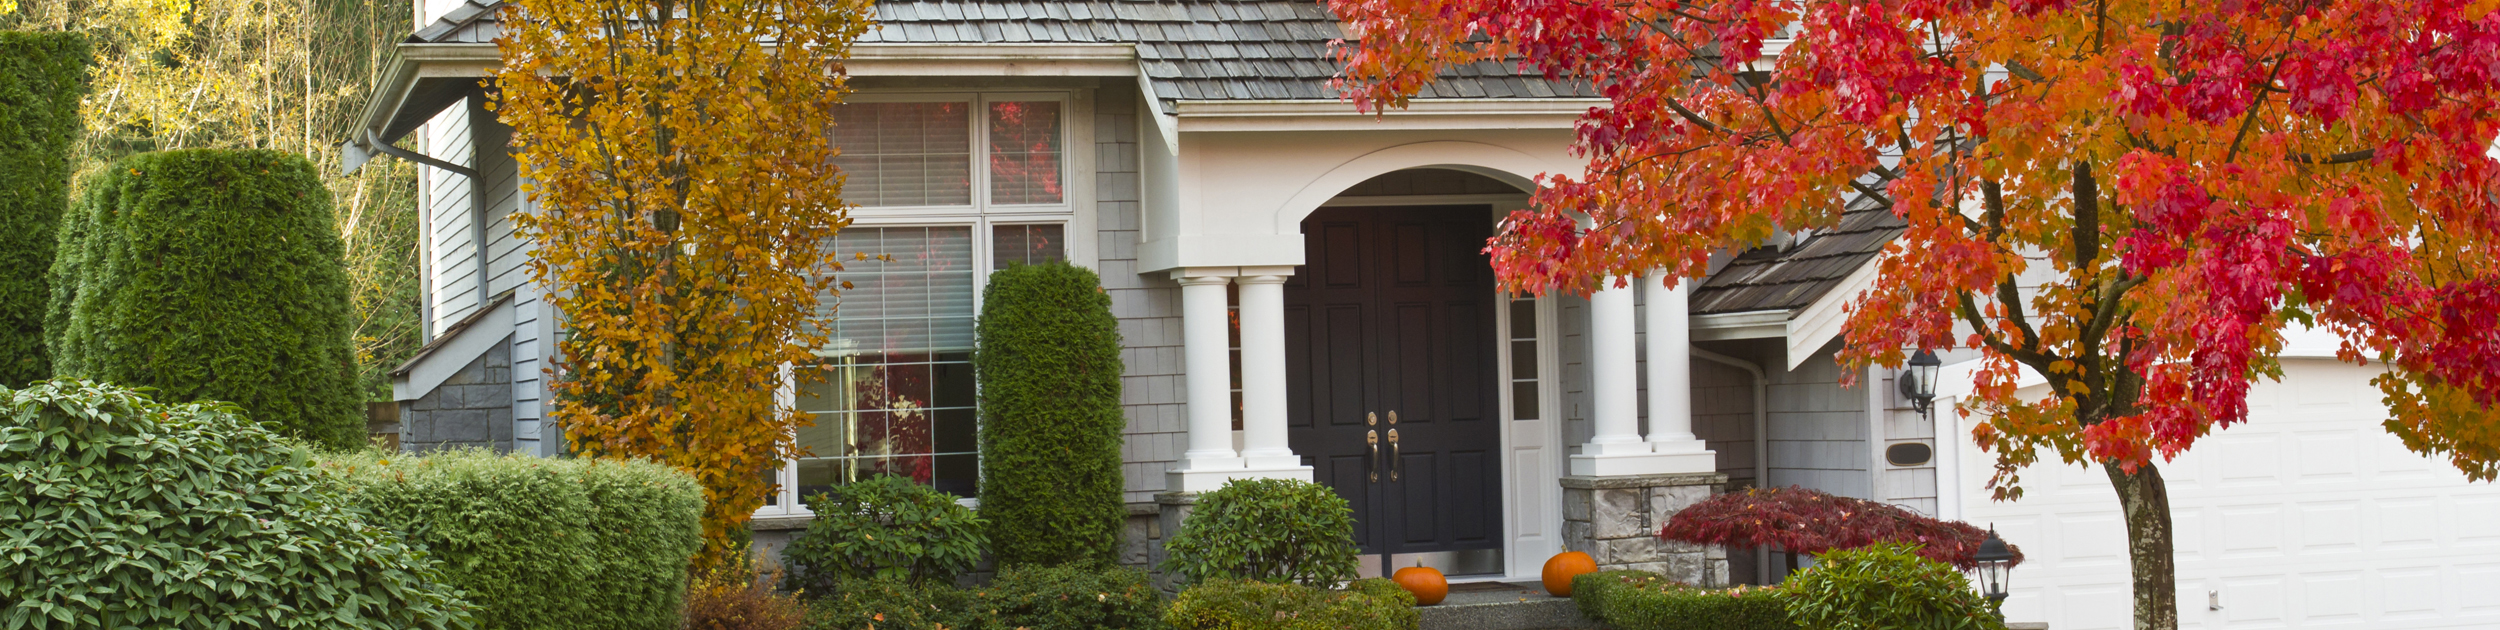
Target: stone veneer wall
<point>1616,521</point>
<point>473,408</point>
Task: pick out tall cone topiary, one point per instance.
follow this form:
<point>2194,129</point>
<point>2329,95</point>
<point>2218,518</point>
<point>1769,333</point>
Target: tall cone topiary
<point>1049,366</point>
<point>42,76</point>
<point>211,274</point>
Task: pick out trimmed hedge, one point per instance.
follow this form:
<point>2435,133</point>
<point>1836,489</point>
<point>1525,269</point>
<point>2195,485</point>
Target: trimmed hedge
<point>1885,585</point>
<point>1639,600</point>
<point>1272,530</point>
<point>1372,604</point>
<point>212,274</point>
<point>1069,596</point>
<point>117,511</point>
<point>1049,366</point>
<point>541,543</point>
<point>42,77</point>
<point>885,527</point>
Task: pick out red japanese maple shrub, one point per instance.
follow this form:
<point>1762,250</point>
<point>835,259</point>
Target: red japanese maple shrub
<point>1804,521</point>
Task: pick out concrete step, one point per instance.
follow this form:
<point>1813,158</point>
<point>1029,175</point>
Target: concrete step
<point>1502,606</point>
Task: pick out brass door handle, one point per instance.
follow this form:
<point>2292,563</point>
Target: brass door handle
<point>1373,437</point>
<point>1393,449</point>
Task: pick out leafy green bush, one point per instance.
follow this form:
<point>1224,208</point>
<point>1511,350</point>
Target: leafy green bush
<point>1639,600</point>
<point>541,543</point>
<point>1049,364</point>
<point>855,604</point>
<point>1886,585</point>
<point>211,274</point>
<point>42,76</point>
<point>885,527</point>
<point>117,511</point>
<point>1069,596</point>
<point>1251,605</point>
<point>1273,530</point>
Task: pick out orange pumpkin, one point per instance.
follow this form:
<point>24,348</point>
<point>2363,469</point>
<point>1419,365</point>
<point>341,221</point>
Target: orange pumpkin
<point>1562,567</point>
<point>1425,582</point>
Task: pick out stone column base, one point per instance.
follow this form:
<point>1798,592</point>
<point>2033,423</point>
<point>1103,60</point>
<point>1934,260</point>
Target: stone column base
<point>1171,508</point>
<point>1616,521</point>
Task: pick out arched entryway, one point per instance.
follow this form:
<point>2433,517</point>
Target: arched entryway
<point>1393,351</point>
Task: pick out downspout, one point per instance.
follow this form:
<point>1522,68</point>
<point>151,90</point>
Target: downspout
<point>477,207</point>
<point>1761,435</point>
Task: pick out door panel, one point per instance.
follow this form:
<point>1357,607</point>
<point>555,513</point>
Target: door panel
<point>1395,310</point>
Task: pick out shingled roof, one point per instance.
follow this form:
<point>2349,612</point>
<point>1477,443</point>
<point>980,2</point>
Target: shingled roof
<point>1772,279</point>
<point>1189,50</point>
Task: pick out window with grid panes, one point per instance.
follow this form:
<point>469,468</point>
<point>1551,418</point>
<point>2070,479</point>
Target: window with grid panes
<point>892,390</point>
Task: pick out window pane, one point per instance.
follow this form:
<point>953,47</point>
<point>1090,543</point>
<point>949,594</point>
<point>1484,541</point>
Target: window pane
<point>1024,152</point>
<point>1028,244</point>
<point>892,391</point>
<point>905,154</point>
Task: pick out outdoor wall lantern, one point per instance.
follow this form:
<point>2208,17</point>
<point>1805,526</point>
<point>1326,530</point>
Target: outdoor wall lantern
<point>1918,382</point>
<point>1995,561</point>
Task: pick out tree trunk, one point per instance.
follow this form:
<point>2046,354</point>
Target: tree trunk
<point>2146,501</point>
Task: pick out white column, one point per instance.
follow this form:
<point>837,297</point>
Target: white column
<point>1263,369</point>
<point>1670,366</point>
<point>1614,369</point>
<point>1208,356</point>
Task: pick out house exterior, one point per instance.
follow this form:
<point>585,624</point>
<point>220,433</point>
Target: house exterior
<point>1192,154</point>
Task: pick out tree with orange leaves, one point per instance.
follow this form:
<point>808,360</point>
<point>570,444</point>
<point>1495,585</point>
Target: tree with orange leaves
<point>2132,199</point>
<point>677,151</point>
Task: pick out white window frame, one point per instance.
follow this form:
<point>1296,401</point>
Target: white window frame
<point>1077,228</point>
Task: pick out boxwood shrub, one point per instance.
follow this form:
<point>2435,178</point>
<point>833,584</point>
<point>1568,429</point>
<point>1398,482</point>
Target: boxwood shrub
<point>541,543</point>
<point>1069,596</point>
<point>1373,604</point>
<point>117,511</point>
<point>1049,366</point>
<point>42,76</point>
<point>886,527</point>
<point>1885,585</point>
<point>1272,530</point>
<point>1639,600</point>
<point>211,274</point>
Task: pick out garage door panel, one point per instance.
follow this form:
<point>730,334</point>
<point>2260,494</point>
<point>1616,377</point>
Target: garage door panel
<point>2331,597</point>
<point>2329,526</point>
<point>2477,520</point>
<point>2251,600</point>
<point>2098,606</point>
<point>2414,591</point>
<point>2252,531</point>
<point>2091,539</point>
<point>2407,524</point>
<point>2325,457</point>
<point>2248,460</point>
<point>2478,588</point>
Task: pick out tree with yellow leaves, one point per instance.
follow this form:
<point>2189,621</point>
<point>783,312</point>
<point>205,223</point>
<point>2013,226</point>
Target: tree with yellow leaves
<point>678,155</point>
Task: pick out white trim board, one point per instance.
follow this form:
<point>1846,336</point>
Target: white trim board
<point>466,345</point>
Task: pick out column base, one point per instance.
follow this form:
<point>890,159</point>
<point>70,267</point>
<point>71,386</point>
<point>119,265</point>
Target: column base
<point>1616,521</point>
<point>1644,463</point>
<point>1208,479</point>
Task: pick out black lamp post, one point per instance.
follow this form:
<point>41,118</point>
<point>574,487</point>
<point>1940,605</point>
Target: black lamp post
<point>1996,561</point>
<point>1918,381</point>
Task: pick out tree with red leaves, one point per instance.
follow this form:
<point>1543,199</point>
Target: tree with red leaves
<point>2131,199</point>
<point>1801,521</point>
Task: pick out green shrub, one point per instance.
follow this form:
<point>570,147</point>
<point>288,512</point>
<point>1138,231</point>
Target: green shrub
<point>541,543</point>
<point>42,76</point>
<point>117,511</point>
<point>1049,364</point>
<point>1638,600</point>
<point>1885,585</point>
<point>853,604</point>
<point>1272,530</point>
<point>885,527</point>
<point>212,274</point>
<point>1250,605</point>
<point>1073,597</point>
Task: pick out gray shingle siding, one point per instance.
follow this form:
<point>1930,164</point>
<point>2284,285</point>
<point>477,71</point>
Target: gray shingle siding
<point>472,409</point>
<point>1148,307</point>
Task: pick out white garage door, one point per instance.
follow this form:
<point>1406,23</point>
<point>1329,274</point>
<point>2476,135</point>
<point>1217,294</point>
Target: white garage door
<point>2308,516</point>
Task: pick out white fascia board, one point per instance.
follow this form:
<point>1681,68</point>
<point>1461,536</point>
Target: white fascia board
<point>992,60</point>
<point>1745,325</point>
<point>465,346</point>
<point>1337,115</point>
<point>1823,320</point>
<point>2299,342</point>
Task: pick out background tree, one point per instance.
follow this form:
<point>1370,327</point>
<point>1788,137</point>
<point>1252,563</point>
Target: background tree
<point>679,155</point>
<point>288,75</point>
<point>2133,199</point>
<point>42,76</point>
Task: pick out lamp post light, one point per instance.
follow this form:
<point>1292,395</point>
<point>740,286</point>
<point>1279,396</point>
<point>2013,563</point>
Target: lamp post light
<point>1996,561</point>
<point>1918,381</point>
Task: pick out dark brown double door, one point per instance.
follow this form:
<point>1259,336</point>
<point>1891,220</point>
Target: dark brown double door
<point>1390,350</point>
